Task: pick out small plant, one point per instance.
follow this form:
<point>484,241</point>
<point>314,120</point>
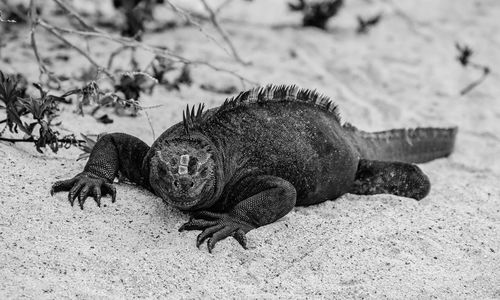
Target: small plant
<point>136,13</point>
<point>88,145</point>
<point>88,94</point>
<point>132,84</point>
<point>10,94</point>
<point>464,58</point>
<point>16,14</point>
<point>464,54</point>
<point>364,24</point>
<point>161,67</point>
<point>317,13</point>
<point>91,93</point>
<point>42,109</point>
<point>134,24</point>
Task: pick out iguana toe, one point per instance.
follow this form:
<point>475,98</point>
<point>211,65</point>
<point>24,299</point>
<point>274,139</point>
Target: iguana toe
<point>216,227</point>
<point>241,237</point>
<point>84,192</point>
<point>110,189</point>
<point>196,224</point>
<point>74,191</point>
<point>220,235</point>
<point>62,185</point>
<point>97,195</point>
<point>207,233</point>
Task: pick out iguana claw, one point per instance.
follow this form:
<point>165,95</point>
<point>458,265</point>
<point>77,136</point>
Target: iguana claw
<point>216,227</point>
<point>82,186</point>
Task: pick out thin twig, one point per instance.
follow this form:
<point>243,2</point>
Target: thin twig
<point>33,22</point>
<point>412,24</point>
<point>128,42</point>
<point>162,52</point>
<point>215,22</point>
<point>28,140</point>
<point>469,87</point>
<point>75,15</point>
<point>32,139</point>
<point>41,64</point>
<point>187,18</point>
<point>151,107</point>
<point>54,31</point>
<point>114,54</point>
<point>221,6</point>
<point>150,124</point>
<point>150,64</point>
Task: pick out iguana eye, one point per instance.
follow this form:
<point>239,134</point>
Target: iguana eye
<point>204,171</point>
<point>192,165</point>
<point>162,170</point>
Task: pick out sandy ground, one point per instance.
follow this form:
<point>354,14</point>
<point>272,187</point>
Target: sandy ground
<point>402,74</point>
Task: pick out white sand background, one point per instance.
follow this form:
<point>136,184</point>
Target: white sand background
<point>402,74</point>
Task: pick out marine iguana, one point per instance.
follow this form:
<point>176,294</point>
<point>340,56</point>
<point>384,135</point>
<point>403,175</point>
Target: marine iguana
<point>248,162</point>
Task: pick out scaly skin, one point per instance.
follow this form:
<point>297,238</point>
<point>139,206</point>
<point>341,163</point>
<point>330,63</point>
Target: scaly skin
<point>249,162</point>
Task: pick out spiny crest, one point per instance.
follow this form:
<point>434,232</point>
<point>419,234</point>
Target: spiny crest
<point>277,93</point>
<point>192,117</point>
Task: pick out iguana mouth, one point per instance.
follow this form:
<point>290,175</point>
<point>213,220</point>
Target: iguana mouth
<point>183,204</point>
<point>187,204</point>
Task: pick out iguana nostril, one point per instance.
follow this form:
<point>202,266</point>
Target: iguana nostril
<point>176,183</point>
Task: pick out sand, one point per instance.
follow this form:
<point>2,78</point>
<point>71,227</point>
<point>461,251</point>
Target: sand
<point>403,73</point>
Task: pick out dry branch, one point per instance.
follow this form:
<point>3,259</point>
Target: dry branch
<point>69,141</point>
<point>114,54</point>
<point>472,85</point>
<point>132,43</point>
<point>75,15</point>
<point>33,22</point>
<point>187,18</point>
<point>162,52</point>
<point>223,33</point>
<point>54,31</point>
<point>221,6</point>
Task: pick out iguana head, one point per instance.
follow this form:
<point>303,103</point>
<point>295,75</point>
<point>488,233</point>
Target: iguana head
<point>183,173</point>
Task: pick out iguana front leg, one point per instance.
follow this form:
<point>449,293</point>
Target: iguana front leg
<point>265,200</point>
<point>112,153</point>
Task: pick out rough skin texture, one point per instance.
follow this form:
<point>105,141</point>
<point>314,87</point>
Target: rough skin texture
<point>248,162</point>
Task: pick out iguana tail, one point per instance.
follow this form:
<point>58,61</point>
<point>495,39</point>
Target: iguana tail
<point>406,145</point>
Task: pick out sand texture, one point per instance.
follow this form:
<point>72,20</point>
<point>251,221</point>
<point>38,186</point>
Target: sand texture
<point>403,73</point>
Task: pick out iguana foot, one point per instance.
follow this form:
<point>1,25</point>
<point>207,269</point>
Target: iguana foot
<point>84,185</point>
<point>216,227</point>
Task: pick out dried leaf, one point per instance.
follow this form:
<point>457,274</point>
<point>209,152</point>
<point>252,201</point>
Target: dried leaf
<point>9,95</point>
